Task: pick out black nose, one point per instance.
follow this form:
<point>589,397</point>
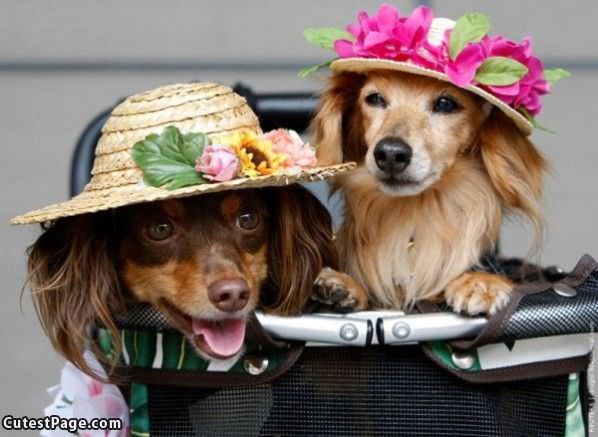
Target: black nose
<point>229,295</point>
<point>392,155</point>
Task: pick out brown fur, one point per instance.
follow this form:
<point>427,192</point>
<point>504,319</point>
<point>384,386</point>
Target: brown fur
<point>483,167</point>
<point>85,269</point>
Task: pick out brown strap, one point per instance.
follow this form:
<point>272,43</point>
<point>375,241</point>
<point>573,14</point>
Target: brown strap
<point>205,379</point>
<point>543,369</point>
<point>495,328</point>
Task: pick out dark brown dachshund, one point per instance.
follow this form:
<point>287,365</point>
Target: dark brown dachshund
<point>204,262</point>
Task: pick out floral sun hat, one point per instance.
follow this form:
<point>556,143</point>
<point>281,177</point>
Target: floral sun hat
<point>502,71</point>
<point>182,140</point>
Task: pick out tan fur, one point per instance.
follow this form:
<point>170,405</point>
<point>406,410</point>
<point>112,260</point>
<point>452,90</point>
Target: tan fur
<point>482,167</point>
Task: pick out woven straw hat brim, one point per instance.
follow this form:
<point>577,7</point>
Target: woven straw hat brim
<point>102,200</point>
<point>207,107</point>
<point>363,65</point>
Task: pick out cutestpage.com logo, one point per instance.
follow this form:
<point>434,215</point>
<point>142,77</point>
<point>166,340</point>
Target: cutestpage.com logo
<point>73,425</point>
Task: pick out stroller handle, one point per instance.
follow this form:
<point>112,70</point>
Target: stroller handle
<point>357,329</point>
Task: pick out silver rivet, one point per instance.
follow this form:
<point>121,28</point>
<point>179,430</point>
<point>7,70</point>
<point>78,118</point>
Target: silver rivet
<point>564,290</point>
<point>462,360</point>
<point>401,330</point>
<point>349,332</point>
<point>255,365</point>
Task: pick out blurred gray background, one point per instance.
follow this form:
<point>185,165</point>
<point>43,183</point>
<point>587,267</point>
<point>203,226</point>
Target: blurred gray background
<point>62,62</point>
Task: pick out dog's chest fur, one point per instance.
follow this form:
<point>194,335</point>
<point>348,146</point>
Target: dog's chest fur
<point>403,249</point>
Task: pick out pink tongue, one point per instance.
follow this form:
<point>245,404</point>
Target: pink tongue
<point>224,338</point>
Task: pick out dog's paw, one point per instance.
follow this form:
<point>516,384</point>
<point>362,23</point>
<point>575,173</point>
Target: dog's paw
<point>338,292</point>
<point>477,292</point>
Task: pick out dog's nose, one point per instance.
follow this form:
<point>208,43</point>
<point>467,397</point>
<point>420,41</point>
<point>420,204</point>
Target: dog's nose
<point>229,295</point>
<point>392,155</point>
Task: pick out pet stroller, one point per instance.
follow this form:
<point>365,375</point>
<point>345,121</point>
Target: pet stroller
<point>524,371</point>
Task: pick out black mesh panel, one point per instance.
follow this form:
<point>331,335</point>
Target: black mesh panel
<point>547,313</point>
<point>360,392</point>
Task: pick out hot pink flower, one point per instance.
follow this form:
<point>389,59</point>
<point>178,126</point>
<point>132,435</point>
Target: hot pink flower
<point>525,93</point>
<point>386,35</point>
<point>288,143</point>
<point>461,70</point>
<point>218,163</point>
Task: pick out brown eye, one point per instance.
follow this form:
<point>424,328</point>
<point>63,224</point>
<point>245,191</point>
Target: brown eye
<point>160,231</point>
<point>248,220</point>
<point>445,105</point>
<point>376,100</point>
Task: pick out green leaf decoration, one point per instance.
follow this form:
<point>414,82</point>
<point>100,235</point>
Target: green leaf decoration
<point>193,144</point>
<point>325,36</point>
<point>185,179</point>
<point>168,159</point>
<point>310,70</point>
<point>500,71</point>
<point>534,122</point>
<point>555,75</point>
<point>468,28</point>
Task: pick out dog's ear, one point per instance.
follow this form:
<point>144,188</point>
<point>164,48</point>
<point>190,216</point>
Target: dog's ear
<point>74,283</point>
<point>337,133</point>
<point>516,168</point>
<point>300,245</point>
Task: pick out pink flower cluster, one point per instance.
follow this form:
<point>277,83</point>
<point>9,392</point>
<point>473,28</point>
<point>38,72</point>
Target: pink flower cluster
<point>387,35</point>
<point>220,163</point>
<point>288,143</point>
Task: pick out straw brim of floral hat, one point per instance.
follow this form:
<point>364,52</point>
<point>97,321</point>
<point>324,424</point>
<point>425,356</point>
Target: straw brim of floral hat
<point>363,65</point>
<point>503,72</point>
<point>184,140</point>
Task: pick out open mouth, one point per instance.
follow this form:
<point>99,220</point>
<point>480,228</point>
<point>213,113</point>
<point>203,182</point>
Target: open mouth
<point>216,338</point>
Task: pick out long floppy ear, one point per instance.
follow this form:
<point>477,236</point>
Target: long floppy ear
<point>516,168</point>
<point>301,244</point>
<point>337,134</point>
<point>74,283</point>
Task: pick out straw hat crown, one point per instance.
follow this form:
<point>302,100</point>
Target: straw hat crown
<point>209,108</point>
<point>206,107</point>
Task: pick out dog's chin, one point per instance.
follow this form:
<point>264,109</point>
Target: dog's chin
<point>212,337</point>
<point>405,186</point>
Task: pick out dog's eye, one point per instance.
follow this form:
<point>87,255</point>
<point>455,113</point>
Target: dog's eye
<point>445,105</point>
<point>160,231</point>
<point>248,220</point>
<point>375,99</point>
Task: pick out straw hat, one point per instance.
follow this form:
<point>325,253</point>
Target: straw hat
<point>503,72</point>
<point>189,110</point>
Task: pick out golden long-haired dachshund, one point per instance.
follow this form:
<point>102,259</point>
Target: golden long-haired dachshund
<point>438,168</point>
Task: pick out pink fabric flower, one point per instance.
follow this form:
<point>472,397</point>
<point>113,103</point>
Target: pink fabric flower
<point>461,70</point>
<point>288,143</point>
<point>525,93</point>
<point>386,35</point>
<point>218,163</point>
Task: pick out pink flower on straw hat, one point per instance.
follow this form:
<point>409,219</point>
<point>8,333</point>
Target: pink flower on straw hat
<point>218,163</point>
<point>297,154</point>
<point>386,34</point>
